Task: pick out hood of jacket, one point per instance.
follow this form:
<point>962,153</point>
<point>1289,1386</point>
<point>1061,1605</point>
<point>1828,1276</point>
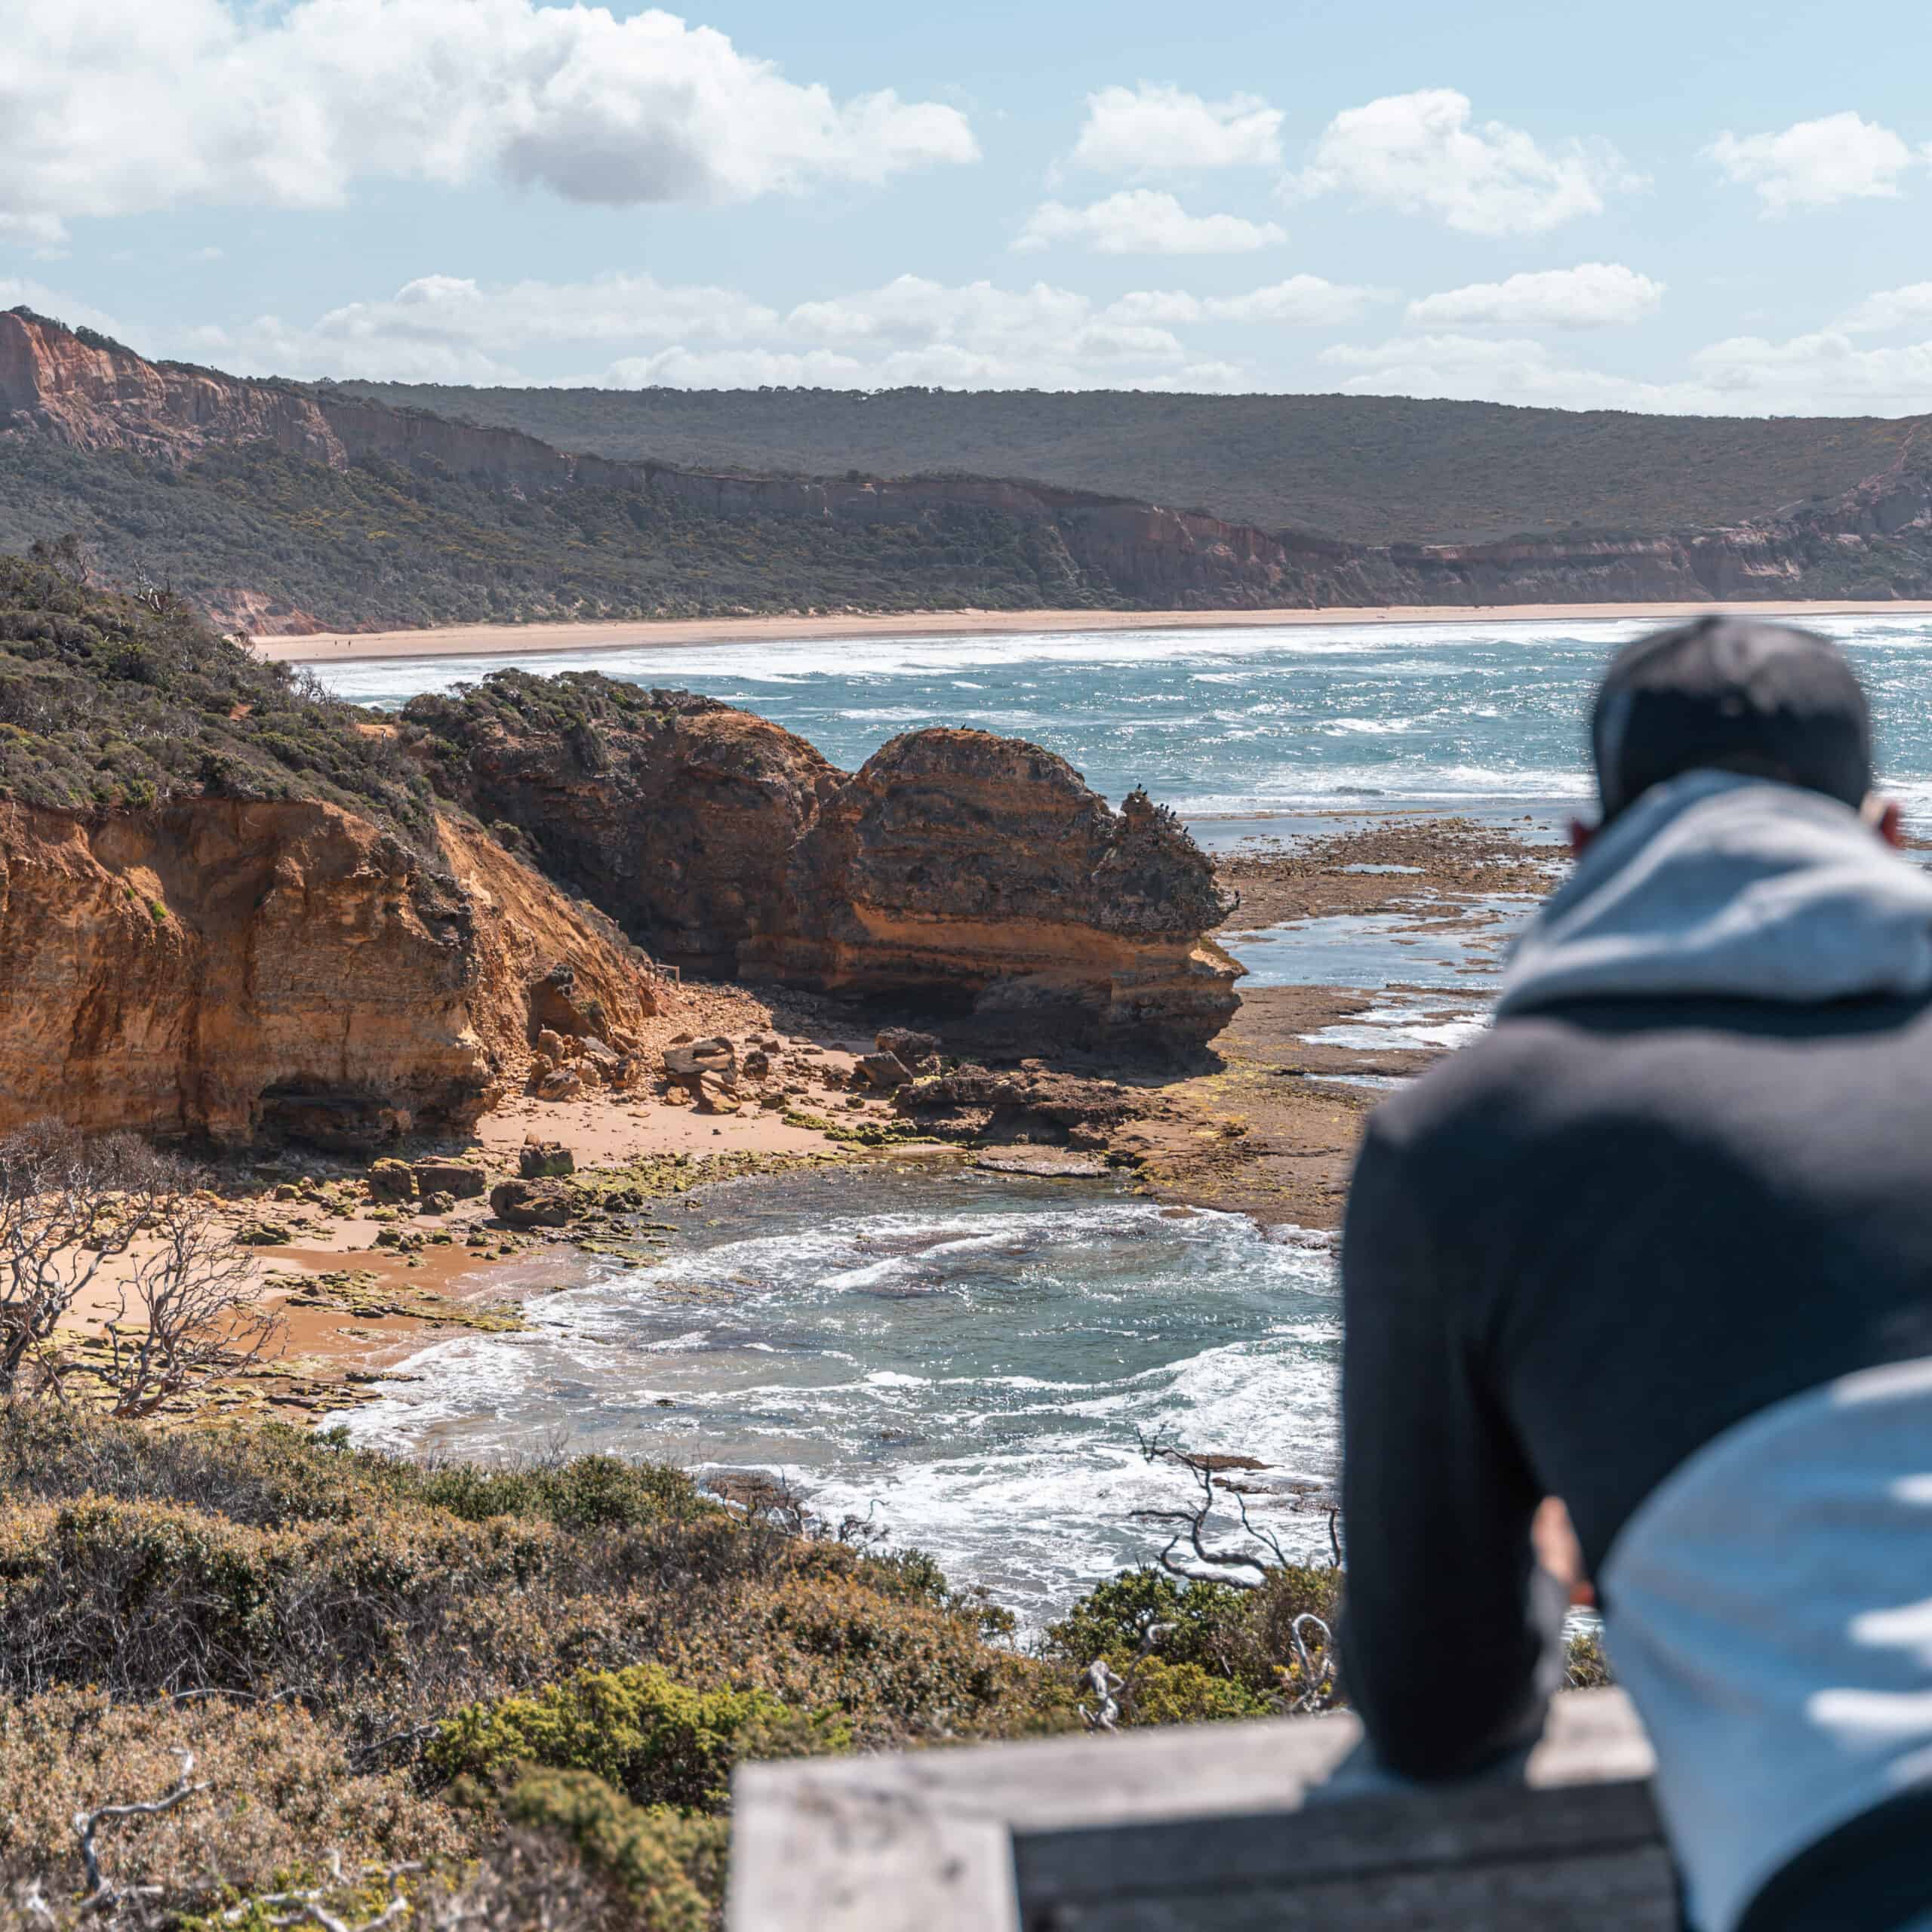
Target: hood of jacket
<point>1718,886</point>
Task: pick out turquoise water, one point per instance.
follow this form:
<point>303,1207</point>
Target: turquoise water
<point>962,1361</point>
<point>1486,714</point>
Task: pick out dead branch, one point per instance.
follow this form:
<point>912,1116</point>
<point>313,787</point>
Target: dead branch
<point>1243,1564</point>
<point>100,1894</point>
<point>67,1207</point>
<point>204,1317</point>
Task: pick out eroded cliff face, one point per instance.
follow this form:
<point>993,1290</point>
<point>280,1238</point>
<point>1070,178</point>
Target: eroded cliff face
<point>976,877</point>
<point>673,813</point>
<point>230,972</point>
<point>96,396</point>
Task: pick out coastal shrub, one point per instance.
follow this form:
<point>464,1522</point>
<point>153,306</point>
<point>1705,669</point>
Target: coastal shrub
<point>1240,1638</point>
<point>668,1869</point>
<point>283,1790</point>
<point>130,702</point>
<point>658,1741</point>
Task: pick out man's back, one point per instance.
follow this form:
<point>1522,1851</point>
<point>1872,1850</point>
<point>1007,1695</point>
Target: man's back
<point>1672,1249</point>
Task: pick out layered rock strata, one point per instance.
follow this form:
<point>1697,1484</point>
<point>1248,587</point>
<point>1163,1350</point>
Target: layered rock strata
<point>976,877</point>
<point>229,971</point>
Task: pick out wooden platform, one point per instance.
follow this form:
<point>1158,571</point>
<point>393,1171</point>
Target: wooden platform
<point>1206,1828</point>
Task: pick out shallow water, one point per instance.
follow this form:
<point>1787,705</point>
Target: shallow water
<point>963,1359</point>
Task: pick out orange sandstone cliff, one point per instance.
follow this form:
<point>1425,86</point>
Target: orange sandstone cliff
<point>232,971</point>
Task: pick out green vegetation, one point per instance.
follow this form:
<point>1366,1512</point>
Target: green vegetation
<point>528,1685</point>
<point>532,1681</point>
<point>378,546</point>
<point>109,700</point>
<point>1373,469</point>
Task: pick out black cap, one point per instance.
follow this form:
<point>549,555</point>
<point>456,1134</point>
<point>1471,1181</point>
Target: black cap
<point>1733,695</point>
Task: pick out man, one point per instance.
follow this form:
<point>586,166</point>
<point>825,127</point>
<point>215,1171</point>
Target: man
<point>1660,1244</point>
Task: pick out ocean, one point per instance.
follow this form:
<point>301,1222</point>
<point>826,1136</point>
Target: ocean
<point>968,1363</point>
<point>1224,724</point>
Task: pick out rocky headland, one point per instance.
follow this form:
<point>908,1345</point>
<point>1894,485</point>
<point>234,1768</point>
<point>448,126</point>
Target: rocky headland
<point>975,877</point>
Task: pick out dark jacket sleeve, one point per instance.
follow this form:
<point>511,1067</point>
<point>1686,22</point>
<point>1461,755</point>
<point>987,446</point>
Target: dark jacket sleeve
<point>1451,1638</point>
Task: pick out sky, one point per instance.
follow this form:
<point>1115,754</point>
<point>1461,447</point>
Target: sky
<point>1678,207</point>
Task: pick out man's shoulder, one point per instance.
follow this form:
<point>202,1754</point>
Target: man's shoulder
<point>1591,1056</point>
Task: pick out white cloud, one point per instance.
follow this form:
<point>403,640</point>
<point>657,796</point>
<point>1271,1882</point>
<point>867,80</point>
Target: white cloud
<point>1592,295</point>
<point>1821,374</point>
<point>128,107</point>
<point>1419,153</point>
<point>1305,299</point>
<point>1890,309</point>
<point>911,330</point>
<point>1825,373</point>
<point>1815,164</point>
<point>1155,130</point>
<point>1140,221</point>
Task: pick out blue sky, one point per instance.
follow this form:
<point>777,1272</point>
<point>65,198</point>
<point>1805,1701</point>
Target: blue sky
<point>1651,207</point>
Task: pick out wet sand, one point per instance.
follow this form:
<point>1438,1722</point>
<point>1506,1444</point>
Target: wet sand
<point>506,640</point>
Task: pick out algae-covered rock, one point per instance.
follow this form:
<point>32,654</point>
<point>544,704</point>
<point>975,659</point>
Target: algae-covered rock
<point>532,1203</point>
<point>463,1179</point>
<point>392,1180</point>
<point>541,1159</point>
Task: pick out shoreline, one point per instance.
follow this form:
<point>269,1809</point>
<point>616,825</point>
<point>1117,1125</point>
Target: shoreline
<point>647,633</point>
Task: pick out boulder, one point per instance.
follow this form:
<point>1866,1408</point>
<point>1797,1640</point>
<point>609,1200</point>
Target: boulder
<point>438,1202</point>
<point>714,1096</point>
<point>885,1070</point>
<point>561,1083</point>
<point>553,1046</point>
<point>532,1203</point>
<point>913,1049</point>
<point>717,1056</point>
<point>392,1180</point>
<point>462,1179</point>
<point>539,1160</point>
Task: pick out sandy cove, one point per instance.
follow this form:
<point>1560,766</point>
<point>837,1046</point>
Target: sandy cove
<point>521,640</point>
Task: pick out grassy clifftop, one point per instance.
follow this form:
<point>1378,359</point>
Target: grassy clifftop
<point>1371,469</point>
<point>378,546</point>
<point>111,700</point>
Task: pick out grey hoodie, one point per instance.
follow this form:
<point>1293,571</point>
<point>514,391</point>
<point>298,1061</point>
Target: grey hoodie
<point>1716,885</point>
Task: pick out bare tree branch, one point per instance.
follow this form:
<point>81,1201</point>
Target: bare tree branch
<point>68,1206</point>
<point>100,1894</point>
<point>203,1307</point>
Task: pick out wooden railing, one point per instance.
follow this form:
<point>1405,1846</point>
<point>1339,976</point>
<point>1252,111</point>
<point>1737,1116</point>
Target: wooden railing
<point>1211,1828</point>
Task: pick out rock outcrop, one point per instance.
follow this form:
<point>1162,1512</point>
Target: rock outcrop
<point>229,971</point>
<point>973,876</point>
<point>674,813</point>
<point>958,868</point>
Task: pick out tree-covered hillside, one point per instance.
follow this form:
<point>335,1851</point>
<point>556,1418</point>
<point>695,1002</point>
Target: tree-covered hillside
<point>376,547</point>
<point>1373,469</point>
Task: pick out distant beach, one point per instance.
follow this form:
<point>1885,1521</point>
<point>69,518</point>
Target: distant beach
<point>521,640</point>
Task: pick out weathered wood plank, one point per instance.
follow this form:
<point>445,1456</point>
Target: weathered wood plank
<point>938,1840</point>
<point>1620,1891</point>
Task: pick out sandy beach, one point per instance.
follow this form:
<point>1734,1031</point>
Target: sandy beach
<point>521,640</point>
